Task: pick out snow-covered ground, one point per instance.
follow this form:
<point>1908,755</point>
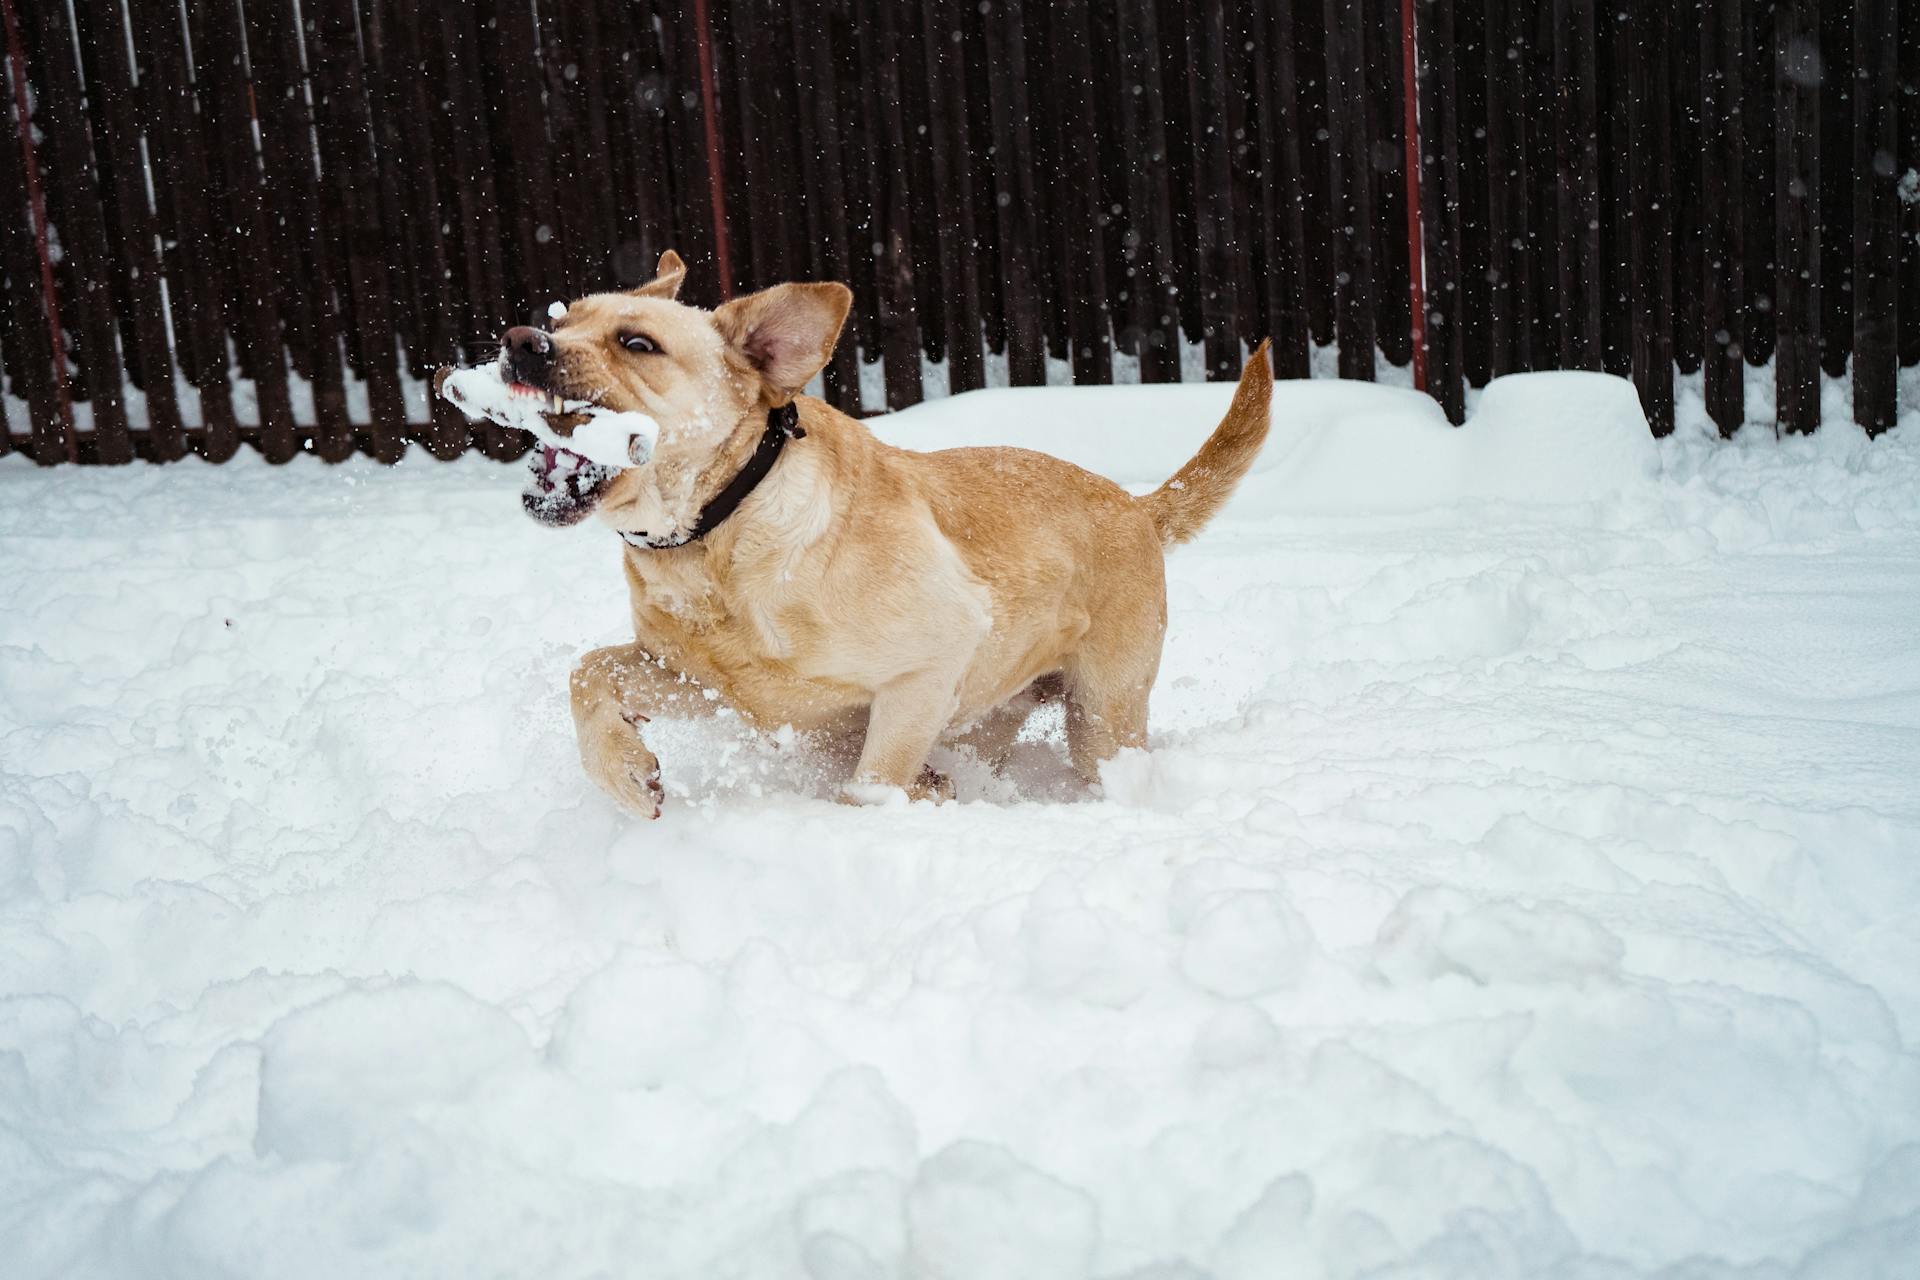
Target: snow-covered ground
<point>1524,881</point>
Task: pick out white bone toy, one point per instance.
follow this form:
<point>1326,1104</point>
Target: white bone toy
<point>610,438</point>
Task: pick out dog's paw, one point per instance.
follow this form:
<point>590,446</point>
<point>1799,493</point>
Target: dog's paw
<point>931,785</point>
<point>643,795</point>
<point>937,787</point>
<point>871,795</point>
<point>631,775</point>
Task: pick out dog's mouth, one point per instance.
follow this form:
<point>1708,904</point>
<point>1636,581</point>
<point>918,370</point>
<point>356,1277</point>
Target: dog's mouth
<point>562,413</point>
<point>563,487</point>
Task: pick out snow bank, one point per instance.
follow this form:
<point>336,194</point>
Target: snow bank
<point>1336,447</point>
<point>1524,880</point>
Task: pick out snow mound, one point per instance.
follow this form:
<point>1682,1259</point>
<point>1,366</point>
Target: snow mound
<point>1336,448</point>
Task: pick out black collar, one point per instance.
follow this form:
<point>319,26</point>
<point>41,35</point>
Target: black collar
<point>783,424</point>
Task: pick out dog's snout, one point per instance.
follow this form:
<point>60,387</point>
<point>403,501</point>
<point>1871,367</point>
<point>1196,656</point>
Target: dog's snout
<point>529,353</point>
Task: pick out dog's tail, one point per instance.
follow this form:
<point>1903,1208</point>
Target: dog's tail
<point>1181,507</point>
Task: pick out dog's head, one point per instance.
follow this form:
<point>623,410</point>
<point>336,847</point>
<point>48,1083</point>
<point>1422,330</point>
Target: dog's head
<point>707,377</point>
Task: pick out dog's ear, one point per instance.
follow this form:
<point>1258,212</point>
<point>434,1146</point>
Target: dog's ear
<point>786,333</point>
<point>666,279</point>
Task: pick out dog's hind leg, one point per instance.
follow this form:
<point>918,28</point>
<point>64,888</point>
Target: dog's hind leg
<point>1108,681</point>
<point>615,691</point>
<point>1102,721</point>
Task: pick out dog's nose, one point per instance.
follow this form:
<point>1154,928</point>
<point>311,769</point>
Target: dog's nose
<point>529,354</point>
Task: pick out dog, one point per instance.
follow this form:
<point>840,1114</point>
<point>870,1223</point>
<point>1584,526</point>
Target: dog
<point>782,561</point>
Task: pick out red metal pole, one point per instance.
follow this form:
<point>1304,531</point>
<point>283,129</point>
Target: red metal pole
<point>716,175</point>
<point>36,202</point>
<point>1416,253</point>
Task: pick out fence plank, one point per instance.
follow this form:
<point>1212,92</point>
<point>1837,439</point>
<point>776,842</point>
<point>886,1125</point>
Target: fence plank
<point>1350,166</point>
<point>751,124</point>
<point>679,118</point>
<point>893,211</point>
<point>951,149</point>
<point>1014,198</point>
<point>1439,204</point>
<point>1614,54</point>
<point>528,192</point>
<point>311,227</point>
<point>1657,397</point>
<point>1243,161</point>
<point>1149,230</point>
<point>245,241</point>
<point>1684,221</point>
<point>773,55</point>
<point>1723,144</point>
<point>399,243</point>
<point>8,361</point>
<point>192,256</point>
<point>1876,215</point>
<point>930,285</point>
<point>1652,219</point>
<point>579,124</point>
<point>1470,128</point>
<point>116,111</point>
<point>1215,243</point>
<point>1576,71</point>
<point>32,364</point>
<point>862,215</point>
<point>1309,23</point>
<point>827,186</point>
<point>1387,159</point>
<point>1281,186</point>
<point>1797,291</point>
<point>981,82</point>
<point>345,129</point>
<point>1088,321</point>
<point>431,338</point>
<point>1907,157</point>
<point>1176,65</point>
<point>1507,255</point>
<point>483,233</point>
<point>1760,108</point>
<point>1835,87</point>
<point>631,92</point>
<point>75,206</point>
<point>302,236</point>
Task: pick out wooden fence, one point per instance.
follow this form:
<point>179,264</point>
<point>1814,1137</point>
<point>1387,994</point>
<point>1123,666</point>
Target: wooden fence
<point>265,221</point>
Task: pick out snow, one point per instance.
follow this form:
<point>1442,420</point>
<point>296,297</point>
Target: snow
<point>1524,880</point>
<point>1559,437</point>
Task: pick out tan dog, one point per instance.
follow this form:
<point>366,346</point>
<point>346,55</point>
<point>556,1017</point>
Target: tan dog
<point>917,596</point>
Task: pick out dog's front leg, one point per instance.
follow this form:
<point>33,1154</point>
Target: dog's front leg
<point>907,717</point>
<point>615,691</point>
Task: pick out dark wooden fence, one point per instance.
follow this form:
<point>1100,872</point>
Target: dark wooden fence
<point>265,221</point>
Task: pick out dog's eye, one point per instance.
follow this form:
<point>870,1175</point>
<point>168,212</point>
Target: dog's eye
<point>639,344</point>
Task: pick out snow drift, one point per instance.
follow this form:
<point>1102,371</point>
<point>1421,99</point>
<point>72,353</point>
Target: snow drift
<point>1524,880</point>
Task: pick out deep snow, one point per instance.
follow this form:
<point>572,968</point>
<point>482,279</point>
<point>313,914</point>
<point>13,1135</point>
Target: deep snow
<point>1524,880</point>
